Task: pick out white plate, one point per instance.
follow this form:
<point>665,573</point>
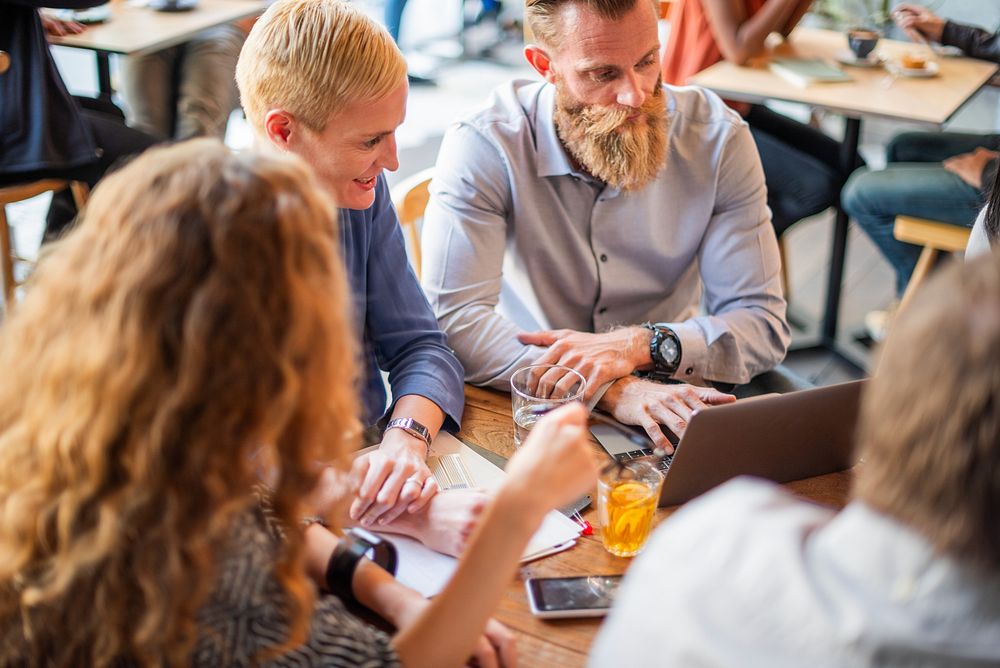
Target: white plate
<point>947,51</point>
<point>927,71</point>
<point>845,57</point>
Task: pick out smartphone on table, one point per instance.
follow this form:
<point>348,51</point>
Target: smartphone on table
<point>584,596</point>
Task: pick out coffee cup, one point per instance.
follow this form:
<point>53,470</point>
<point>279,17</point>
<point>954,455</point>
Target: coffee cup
<point>862,42</point>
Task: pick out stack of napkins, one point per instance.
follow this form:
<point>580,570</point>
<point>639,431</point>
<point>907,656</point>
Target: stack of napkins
<point>428,571</point>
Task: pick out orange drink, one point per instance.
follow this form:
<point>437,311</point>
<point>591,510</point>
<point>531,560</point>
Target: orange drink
<point>626,503</point>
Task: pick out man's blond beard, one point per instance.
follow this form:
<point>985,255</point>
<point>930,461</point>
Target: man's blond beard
<point>602,140</point>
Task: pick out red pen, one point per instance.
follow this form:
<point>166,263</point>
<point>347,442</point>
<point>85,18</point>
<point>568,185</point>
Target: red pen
<point>584,524</point>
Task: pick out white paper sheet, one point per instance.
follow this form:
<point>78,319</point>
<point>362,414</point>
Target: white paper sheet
<point>428,571</point>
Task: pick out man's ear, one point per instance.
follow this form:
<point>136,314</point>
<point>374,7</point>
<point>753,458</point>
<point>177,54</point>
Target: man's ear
<point>540,60</point>
<point>279,127</point>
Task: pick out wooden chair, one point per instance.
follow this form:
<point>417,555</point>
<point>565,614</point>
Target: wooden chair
<point>410,199</point>
<point>936,237</point>
<point>18,193</point>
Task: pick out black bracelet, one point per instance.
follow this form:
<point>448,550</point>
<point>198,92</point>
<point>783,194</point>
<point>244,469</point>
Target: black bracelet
<point>353,546</point>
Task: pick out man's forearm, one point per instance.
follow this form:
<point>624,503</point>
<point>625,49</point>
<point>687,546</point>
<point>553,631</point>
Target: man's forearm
<point>975,42</point>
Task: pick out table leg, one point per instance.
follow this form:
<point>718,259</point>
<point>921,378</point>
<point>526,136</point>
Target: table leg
<point>838,255</point>
<point>104,88</point>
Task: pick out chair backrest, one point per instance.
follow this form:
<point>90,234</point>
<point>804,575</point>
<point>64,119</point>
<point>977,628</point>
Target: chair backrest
<point>410,196</point>
<point>17,193</point>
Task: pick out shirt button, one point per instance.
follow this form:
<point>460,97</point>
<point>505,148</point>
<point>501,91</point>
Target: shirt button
<point>689,370</point>
<point>604,258</point>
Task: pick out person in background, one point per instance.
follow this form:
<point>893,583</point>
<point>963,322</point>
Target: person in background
<point>196,322</point>
<point>320,79</point>
<point>801,164</point>
<point>600,220</point>
<point>907,574</point>
<point>186,90</point>
<point>942,176</point>
<point>45,133</point>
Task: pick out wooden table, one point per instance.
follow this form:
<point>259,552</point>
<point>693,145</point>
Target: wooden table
<point>487,423</point>
<point>135,30</point>
<point>873,92</point>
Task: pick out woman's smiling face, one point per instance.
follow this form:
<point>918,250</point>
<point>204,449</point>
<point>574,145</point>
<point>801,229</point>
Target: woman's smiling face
<point>354,147</point>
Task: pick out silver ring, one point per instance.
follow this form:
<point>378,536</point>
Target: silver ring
<point>414,481</point>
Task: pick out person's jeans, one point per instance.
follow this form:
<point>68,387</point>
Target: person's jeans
<point>801,166</point>
<point>914,184</point>
<point>116,143</point>
<point>187,90</point>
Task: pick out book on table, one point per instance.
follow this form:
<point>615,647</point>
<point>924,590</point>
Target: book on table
<point>806,71</point>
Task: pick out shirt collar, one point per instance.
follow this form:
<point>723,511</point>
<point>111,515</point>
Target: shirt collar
<point>551,158</point>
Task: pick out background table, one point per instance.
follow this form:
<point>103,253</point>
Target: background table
<point>872,92</point>
<point>487,423</point>
<point>135,30</point>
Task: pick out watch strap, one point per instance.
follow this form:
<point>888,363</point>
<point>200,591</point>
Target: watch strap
<point>351,549</point>
<point>660,332</point>
<point>412,427</point>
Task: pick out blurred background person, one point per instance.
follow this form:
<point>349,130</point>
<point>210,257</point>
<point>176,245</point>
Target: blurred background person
<point>943,176</point>
<point>801,163</point>
<point>45,133</point>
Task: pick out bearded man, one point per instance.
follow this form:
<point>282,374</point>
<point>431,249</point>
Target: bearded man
<point>601,220</point>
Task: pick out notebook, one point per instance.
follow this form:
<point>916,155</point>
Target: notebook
<point>806,71</point>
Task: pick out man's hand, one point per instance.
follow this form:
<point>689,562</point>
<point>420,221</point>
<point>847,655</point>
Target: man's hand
<point>394,479</point>
<point>920,23</point>
<point>969,166</point>
<point>647,404</point>
<point>600,358</point>
<point>446,523</point>
<point>59,28</point>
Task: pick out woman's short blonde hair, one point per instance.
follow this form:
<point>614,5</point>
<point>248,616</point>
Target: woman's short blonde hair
<point>930,419</point>
<point>197,316</point>
<point>311,58</point>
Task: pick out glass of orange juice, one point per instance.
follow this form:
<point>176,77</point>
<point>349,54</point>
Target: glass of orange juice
<point>627,497</point>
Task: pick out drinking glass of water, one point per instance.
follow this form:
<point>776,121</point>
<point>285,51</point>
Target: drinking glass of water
<point>540,387</point>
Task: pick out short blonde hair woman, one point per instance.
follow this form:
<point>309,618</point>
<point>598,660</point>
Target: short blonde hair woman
<point>196,318</point>
<point>320,79</point>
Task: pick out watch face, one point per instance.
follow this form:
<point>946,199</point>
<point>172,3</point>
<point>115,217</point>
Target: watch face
<point>668,351</point>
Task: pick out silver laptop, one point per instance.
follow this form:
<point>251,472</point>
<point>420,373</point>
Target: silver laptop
<point>781,437</point>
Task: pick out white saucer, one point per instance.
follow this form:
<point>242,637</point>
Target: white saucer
<point>930,69</point>
<point>845,57</point>
<point>947,51</point>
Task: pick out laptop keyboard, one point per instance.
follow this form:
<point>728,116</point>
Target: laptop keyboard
<point>662,465</point>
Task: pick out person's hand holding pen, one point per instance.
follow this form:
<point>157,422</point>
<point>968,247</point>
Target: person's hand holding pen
<point>920,23</point>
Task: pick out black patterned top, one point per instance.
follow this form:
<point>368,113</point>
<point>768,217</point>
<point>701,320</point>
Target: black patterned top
<point>244,616</point>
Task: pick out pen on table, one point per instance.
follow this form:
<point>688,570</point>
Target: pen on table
<point>588,530</point>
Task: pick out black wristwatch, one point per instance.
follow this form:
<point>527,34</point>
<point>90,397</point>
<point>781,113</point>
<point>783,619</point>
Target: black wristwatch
<point>356,544</point>
<point>664,348</point>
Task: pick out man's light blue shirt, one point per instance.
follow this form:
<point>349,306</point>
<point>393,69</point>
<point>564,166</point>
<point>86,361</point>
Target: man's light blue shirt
<point>516,238</point>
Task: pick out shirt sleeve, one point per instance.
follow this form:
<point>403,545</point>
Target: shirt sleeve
<point>406,338</point>
<point>464,240</point>
<point>975,42</point>
<point>745,331</point>
<point>979,241</point>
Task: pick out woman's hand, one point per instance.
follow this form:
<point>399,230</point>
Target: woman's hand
<point>394,479</point>
<point>446,523</point>
<point>556,464</point>
<point>59,28</point>
<point>918,22</point>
